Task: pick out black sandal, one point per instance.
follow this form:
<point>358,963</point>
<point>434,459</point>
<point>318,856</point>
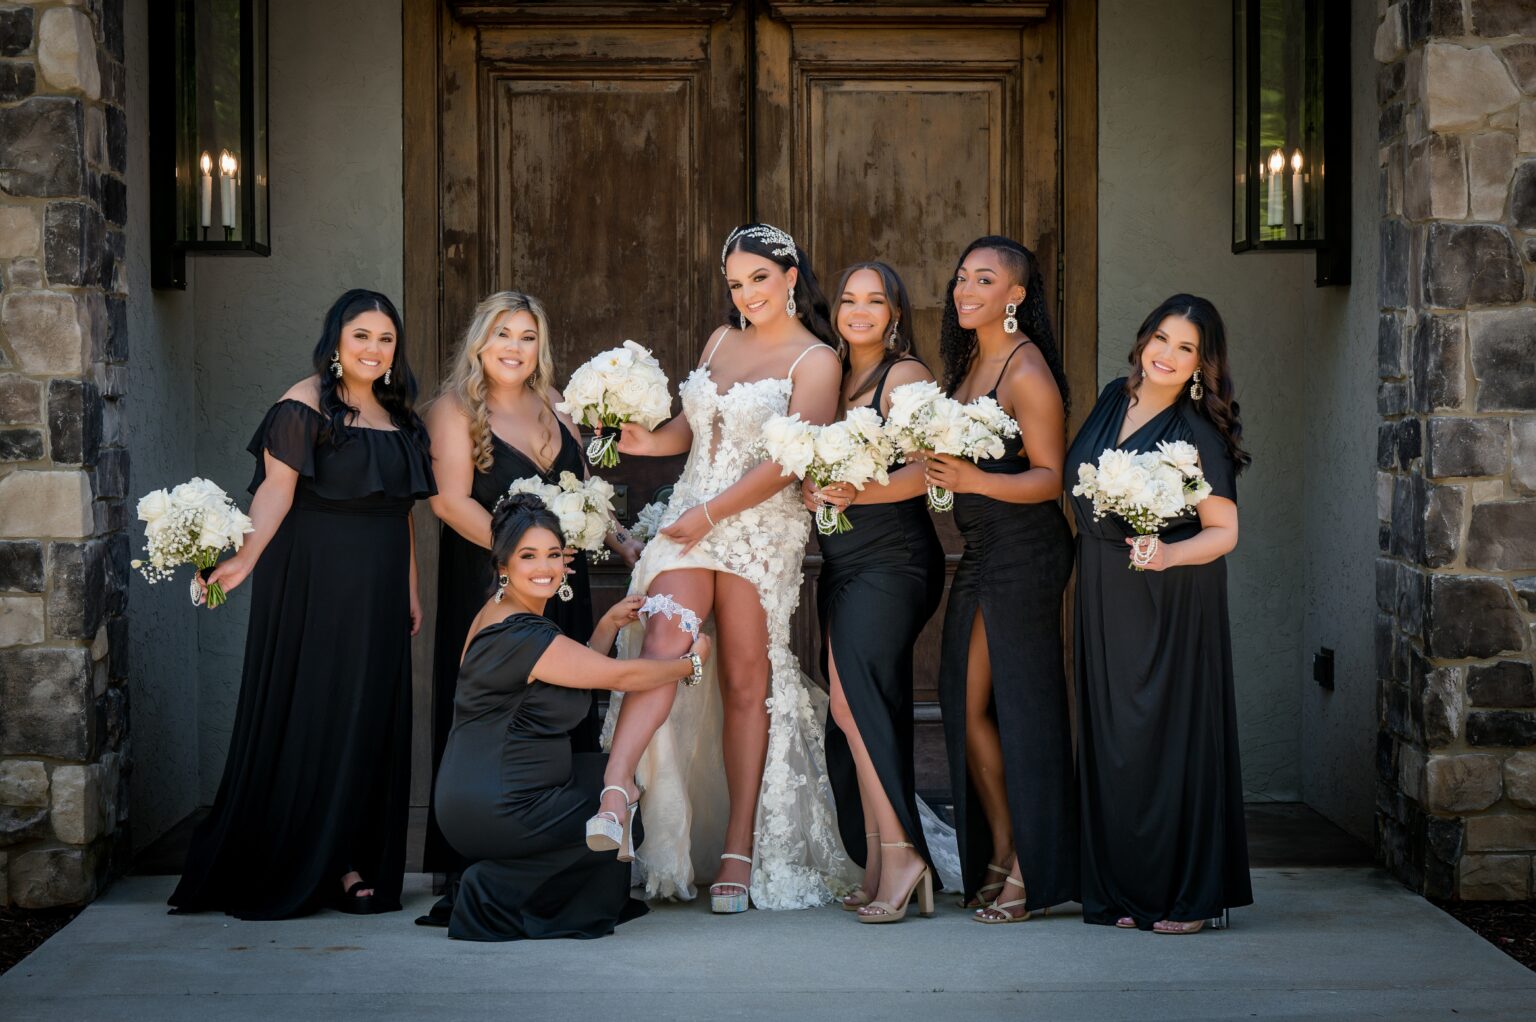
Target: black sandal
<point>355,904</point>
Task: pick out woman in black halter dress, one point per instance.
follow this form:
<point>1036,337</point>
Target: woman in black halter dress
<point>880,582</point>
<point>1009,743</point>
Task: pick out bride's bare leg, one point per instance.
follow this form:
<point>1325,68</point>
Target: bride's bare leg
<point>642,713</point>
<point>742,630</point>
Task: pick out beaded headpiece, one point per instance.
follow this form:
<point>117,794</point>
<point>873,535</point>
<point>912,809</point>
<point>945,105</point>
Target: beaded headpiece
<point>782,244</point>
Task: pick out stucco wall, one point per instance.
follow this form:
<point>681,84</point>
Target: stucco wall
<point>335,115</point>
<point>1165,221</point>
<point>161,431</point>
<point>1338,729</point>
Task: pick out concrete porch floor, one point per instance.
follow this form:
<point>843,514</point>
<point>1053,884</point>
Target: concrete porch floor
<point>1320,943</point>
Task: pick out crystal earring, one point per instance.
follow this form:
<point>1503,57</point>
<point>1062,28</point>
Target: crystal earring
<point>1010,324</point>
<point>565,592</point>
<point>501,586</point>
<point>789,306</point>
<point>891,339</point>
<point>1196,392</point>
<point>336,363</point>
<point>386,375</point>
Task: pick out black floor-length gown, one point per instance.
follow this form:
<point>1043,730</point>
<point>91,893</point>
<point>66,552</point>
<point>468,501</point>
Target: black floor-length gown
<point>1013,572</point>
<point>316,783</point>
<point>879,584</point>
<point>1163,835</point>
<point>513,799</point>
<point>464,581</point>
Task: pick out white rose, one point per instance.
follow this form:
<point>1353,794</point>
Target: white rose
<point>1115,473</point>
<point>215,531</point>
<point>833,443</point>
<point>154,505</point>
<point>594,529</point>
<point>1180,455</point>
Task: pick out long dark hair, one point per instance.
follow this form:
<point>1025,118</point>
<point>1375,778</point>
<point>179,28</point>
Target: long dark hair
<point>1217,403</point>
<point>398,396</point>
<point>901,310</point>
<point>810,304</point>
<point>512,518</point>
<point>957,346</point>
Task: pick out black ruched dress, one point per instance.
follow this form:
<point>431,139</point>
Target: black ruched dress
<point>464,582</point>
<point>513,799</point>
<point>316,782</point>
<point>880,582</point>
<point>1163,835</point>
<point>1013,572</point>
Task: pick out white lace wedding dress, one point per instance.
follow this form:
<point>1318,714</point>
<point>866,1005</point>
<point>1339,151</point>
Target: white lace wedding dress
<point>798,858</point>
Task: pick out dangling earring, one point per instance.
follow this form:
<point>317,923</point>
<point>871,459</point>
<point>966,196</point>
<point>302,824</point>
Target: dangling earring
<point>565,592</point>
<point>891,338</point>
<point>386,375</point>
<point>789,306</point>
<point>336,363</point>
<point>501,586</point>
<point>1196,392</point>
<point>1010,324</point>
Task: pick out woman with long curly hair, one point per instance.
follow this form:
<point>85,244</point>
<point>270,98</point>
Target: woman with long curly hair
<point>1002,686</point>
<point>1163,839</point>
<point>312,807</point>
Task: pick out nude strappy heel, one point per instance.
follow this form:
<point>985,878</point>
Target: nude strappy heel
<point>728,898</point>
<point>922,886</point>
<point>607,833</point>
<point>987,893</point>
<point>860,897</point>
<point>1002,907</point>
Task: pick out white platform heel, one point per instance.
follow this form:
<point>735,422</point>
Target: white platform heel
<point>729,898</point>
<point>606,832</point>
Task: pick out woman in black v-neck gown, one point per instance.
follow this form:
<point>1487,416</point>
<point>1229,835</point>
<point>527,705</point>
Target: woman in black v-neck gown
<point>1163,838</point>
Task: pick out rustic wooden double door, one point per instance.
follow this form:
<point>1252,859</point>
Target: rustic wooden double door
<point>595,154</point>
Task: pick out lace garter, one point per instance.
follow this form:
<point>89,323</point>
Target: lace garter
<point>663,604</point>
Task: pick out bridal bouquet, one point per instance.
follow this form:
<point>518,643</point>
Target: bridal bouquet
<point>189,524</point>
<point>924,418</point>
<point>584,507</point>
<point>623,385</point>
<point>1144,488</point>
<point>648,521</point>
<point>853,450</point>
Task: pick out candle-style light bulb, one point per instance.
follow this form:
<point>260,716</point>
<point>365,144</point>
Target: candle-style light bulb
<point>1275,214</point>
<point>1297,199</point>
<point>228,165</point>
<point>205,189</point>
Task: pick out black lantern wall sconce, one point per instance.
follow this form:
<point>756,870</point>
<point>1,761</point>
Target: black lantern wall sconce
<point>1291,144</point>
<point>207,133</point>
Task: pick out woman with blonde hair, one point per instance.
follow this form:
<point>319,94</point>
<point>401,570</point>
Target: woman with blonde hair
<point>495,422</point>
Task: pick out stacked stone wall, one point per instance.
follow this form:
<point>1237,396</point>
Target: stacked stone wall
<point>1456,448</point>
<point>64,546</point>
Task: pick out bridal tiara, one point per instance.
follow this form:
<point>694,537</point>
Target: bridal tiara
<point>768,235</point>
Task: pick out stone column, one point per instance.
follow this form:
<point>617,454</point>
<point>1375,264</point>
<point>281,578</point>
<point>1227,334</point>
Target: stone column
<point>63,468</point>
<point>1456,576</point>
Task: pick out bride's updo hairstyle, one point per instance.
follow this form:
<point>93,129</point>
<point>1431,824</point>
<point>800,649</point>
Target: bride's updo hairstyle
<point>778,247</point>
<point>1218,402</point>
<point>512,517</point>
<point>957,346</point>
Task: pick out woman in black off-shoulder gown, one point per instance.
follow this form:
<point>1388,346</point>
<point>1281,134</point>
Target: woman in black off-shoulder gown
<point>315,785</point>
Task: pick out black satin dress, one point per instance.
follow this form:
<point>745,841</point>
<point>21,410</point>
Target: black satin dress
<point>1013,572</point>
<point>1163,835</point>
<point>880,583</point>
<point>316,783</point>
<point>465,581</point>
<point>514,800</point>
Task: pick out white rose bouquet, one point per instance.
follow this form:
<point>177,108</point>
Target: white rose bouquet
<point>1144,488</point>
<point>189,524</point>
<point>582,505</point>
<point>924,418</point>
<point>625,384</point>
<point>648,521</point>
<point>853,450</point>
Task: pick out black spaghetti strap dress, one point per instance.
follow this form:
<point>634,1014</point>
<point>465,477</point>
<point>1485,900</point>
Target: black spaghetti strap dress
<point>465,581</point>
<point>880,582</point>
<point>514,799</point>
<point>316,783</point>
<point>1163,834</point>
<point>1013,572</point>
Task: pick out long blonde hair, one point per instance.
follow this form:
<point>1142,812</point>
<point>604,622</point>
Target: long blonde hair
<point>466,380</point>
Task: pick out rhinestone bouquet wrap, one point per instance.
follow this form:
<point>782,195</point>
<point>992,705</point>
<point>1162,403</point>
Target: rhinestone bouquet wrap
<point>1145,488</point>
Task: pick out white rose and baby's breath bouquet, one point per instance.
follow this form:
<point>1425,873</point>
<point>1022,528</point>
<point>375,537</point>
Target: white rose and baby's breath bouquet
<point>924,418</point>
<point>853,450</point>
<point>624,384</point>
<point>1146,488</point>
<point>582,505</point>
<point>189,524</point>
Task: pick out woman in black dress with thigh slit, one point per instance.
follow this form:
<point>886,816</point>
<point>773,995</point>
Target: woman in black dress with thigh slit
<point>879,584</point>
<point>511,794</point>
<point>1164,843</point>
<point>311,809</point>
<point>1002,687</point>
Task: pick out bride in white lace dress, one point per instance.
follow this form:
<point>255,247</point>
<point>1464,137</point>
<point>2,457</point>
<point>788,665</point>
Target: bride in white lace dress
<point>735,767</point>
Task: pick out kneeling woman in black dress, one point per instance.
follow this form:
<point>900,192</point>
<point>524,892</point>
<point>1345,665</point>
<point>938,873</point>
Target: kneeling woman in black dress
<point>510,793</point>
<point>312,806</point>
<point>1164,845</point>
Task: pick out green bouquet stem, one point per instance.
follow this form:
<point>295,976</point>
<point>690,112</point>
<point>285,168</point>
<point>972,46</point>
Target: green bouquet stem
<point>204,560</point>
